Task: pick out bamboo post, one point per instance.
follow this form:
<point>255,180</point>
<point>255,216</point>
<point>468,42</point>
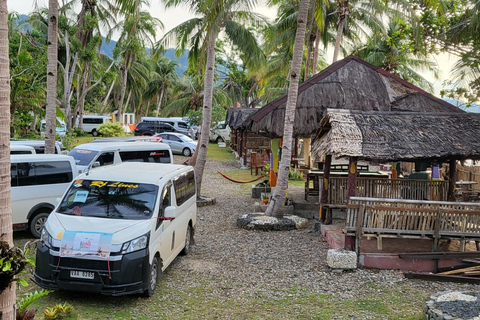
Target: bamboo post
<point>452,179</point>
<point>245,147</point>
<point>326,217</point>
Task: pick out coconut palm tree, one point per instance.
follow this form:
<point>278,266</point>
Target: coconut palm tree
<point>276,206</point>
<point>7,297</point>
<point>136,33</point>
<point>393,53</point>
<point>201,33</point>
<point>52,49</point>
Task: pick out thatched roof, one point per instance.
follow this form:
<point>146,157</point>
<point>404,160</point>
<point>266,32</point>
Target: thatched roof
<point>238,117</point>
<point>351,84</point>
<point>399,136</point>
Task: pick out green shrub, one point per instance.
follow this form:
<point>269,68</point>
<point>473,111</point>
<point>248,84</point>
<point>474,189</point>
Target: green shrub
<point>111,129</point>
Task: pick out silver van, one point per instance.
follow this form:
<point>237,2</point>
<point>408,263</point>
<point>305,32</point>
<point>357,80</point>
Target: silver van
<point>90,123</point>
<point>178,123</point>
<point>92,155</point>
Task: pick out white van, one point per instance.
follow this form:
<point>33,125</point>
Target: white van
<point>117,229</point>
<point>38,145</point>
<point>90,123</point>
<point>37,181</point>
<point>220,133</point>
<point>92,155</point>
<point>21,149</point>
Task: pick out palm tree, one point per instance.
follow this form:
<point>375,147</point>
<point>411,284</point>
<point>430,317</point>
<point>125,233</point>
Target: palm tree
<point>135,35</point>
<point>276,206</point>
<point>164,77</point>
<point>393,53</point>
<point>214,16</point>
<point>358,13</point>
<point>52,49</point>
<point>7,297</point>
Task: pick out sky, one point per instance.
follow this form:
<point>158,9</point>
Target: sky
<point>173,17</point>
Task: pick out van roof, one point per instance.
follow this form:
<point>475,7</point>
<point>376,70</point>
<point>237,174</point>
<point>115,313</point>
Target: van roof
<point>138,172</point>
<point>139,145</point>
<point>95,116</point>
<point>40,157</point>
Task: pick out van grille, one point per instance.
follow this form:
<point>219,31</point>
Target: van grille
<point>87,264</point>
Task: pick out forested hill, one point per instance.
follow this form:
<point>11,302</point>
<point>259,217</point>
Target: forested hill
<point>170,53</point>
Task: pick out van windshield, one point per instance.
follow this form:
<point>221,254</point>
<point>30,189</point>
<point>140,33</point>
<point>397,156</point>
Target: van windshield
<point>110,199</point>
<point>82,157</point>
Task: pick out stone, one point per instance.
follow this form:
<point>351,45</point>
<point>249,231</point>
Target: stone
<point>341,259</point>
<point>257,190</point>
<point>301,223</point>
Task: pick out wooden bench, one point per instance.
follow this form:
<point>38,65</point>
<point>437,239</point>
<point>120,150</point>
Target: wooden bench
<point>397,218</point>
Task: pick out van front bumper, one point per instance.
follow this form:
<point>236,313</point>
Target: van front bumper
<point>126,276</point>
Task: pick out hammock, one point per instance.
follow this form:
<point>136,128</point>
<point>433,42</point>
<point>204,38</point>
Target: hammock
<point>230,179</point>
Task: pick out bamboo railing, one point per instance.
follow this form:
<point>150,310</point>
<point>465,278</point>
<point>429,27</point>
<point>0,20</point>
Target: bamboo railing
<point>387,188</point>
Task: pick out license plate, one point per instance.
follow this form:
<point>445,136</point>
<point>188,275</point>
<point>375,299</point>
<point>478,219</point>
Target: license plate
<point>81,274</point>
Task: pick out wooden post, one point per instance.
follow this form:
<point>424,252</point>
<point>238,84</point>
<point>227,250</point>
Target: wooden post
<point>352,178</point>
<point>326,216</point>
<point>306,151</point>
<point>245,147</point>
<point>452,179</point>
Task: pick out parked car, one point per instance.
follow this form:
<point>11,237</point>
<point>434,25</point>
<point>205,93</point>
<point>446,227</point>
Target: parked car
<point>93,155</point>
<point>179,143</point>
<point>151,128</point>
<point>37,180</point>
<point>117,229</point>
<point>220,133</point>
<point>21,149</point>
<point>60,129</point>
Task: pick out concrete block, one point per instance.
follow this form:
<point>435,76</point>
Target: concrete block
<point>256,191</point>
<point>341,259</point>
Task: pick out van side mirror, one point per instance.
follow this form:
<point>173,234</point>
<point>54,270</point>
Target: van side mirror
<point>96,164</point>
<point>169,212</point>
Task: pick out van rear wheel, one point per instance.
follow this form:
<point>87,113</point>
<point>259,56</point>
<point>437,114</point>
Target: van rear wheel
<point>37,222</point>
<point>188,242</point>
<point>95,133</point>
<point>155,273</point>
<point>220,139</point>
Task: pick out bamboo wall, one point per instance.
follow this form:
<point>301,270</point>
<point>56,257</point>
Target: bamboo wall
<point>469,173</point>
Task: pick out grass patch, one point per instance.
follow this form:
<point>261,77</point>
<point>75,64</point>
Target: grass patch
<point>216,153</point>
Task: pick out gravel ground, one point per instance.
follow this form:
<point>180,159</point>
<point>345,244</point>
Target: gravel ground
<point>265,263</point>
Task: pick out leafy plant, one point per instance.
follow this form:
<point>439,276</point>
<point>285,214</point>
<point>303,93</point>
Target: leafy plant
<point>60,311</point>
<point>12,262</point>
<point>294,174</point>
<point>111,129</point>
<point>22,312</point>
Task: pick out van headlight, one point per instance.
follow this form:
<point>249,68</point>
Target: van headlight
<point>135,244</point>
<point>46,237</point>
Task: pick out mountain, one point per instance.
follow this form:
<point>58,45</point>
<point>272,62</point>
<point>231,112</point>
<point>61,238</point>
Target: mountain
<point>107,48</point>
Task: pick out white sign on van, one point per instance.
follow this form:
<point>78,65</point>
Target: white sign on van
<point>86,243</point>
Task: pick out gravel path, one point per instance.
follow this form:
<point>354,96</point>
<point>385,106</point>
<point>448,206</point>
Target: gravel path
<point>267,262</point>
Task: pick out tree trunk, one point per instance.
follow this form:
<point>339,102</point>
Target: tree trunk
<point>276,206</point>
<point>343,13</point>
<point>315,53</point>
<point>7,297</point>
<point>206,112</point>
<point>160,100</point>
<point>310,40</point>
<point>108,96</point>
<point>50,117</point>
<point>124,87</point>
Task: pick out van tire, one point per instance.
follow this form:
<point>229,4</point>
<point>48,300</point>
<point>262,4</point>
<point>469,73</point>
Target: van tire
<point>188,241</point>
<point>95,133</point>
<point>154,274</point>
<point>219,139</point>
<point>37,222</point>
<point>186,152</point>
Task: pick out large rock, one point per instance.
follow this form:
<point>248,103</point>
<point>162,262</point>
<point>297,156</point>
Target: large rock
<point>341,259</point>
<point>259,221</point>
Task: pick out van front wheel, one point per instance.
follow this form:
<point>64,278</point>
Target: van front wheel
<point>37,222</point>
<point>153,276</point>
<point>95,133</point>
